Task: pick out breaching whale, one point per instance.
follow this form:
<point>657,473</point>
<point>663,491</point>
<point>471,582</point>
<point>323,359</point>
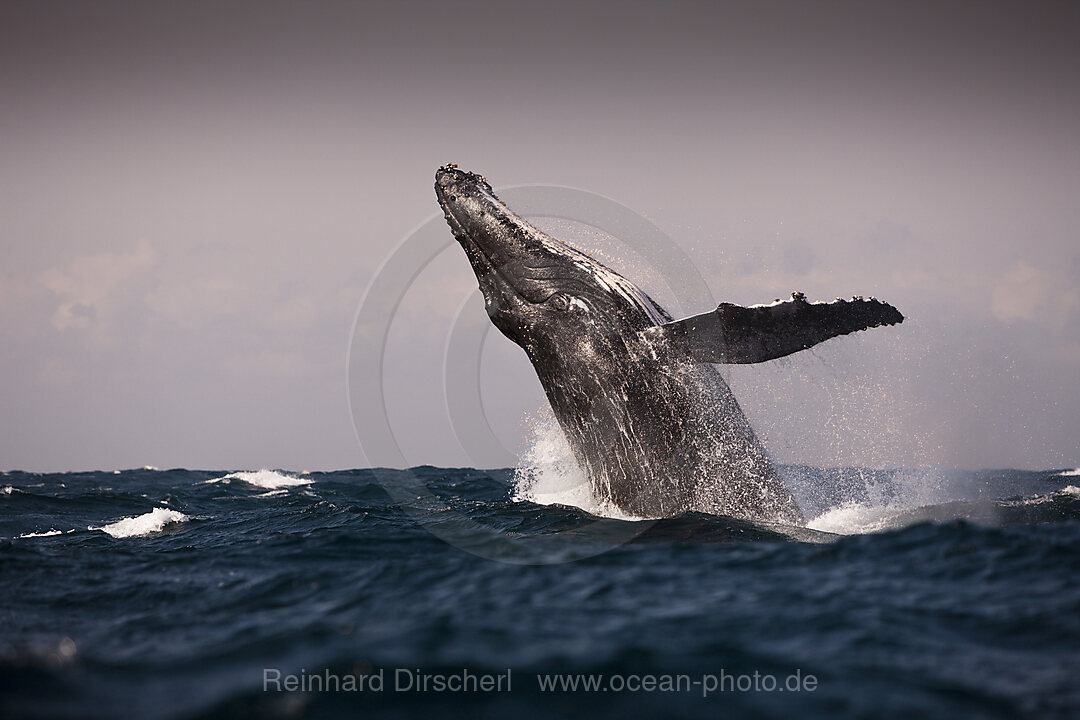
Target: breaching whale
<point>649,418</point>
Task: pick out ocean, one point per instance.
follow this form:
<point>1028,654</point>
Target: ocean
<point>912,592</point>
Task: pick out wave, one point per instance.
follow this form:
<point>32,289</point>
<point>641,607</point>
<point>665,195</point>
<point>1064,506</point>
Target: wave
<point>48,533</point>
<point>146,524</point>
<point>1068,490</point>
<point>356,580</point>
<point>548,473</point>
<point>1069,473</point>
<point>265,479</point>
<point>854,518</point>
<point>841,501</point>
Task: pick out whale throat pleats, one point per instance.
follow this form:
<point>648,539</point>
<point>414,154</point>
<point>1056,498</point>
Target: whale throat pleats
<point>739,335</point>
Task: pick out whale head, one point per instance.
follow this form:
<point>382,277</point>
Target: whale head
<point>538,291</point>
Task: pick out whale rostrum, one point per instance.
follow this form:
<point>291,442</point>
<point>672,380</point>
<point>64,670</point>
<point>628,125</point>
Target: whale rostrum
<point>651,422</point>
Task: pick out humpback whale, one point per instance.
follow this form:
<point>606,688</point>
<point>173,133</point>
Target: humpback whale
<point>651,422</point>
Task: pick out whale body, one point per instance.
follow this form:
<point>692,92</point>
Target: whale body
<point>651,422</point>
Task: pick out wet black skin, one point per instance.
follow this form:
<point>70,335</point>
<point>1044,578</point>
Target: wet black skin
<point>656,432</point>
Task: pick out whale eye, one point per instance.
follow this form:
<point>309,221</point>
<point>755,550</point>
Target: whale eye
<point>560,301</point>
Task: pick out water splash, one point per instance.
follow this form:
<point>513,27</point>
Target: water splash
<point>548,473</point>
<point>855,518</point>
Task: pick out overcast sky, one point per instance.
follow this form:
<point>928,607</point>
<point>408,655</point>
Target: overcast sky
<point>195,196</point>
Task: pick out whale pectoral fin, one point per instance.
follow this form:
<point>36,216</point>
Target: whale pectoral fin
<point>738,335</point>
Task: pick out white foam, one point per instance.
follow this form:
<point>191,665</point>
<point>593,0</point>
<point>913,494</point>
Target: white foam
<point>7,490</point>
<point>1045,498</point>
<point>151,467</point>
<point>548,473</point>
<point>855,519</point>
<point>1070,473</point>
<point>1033,500</point>
<point>266,479</point>
<point>152,522</point>
<point>43,534</point>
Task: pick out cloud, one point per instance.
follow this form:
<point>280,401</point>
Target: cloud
<point>15,291</point>
<point>270,364</point>
<point>57,372</point>
<point>191,299</point>
<point>88,286</point>
<point>203,286</point>
<point>1025,292</point>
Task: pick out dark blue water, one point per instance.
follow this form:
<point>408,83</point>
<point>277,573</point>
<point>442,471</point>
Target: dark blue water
<point>964,603</point>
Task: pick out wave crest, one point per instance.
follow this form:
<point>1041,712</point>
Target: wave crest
<point>266,479</point>
<point>48,533</point>
<point>147,524</point>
